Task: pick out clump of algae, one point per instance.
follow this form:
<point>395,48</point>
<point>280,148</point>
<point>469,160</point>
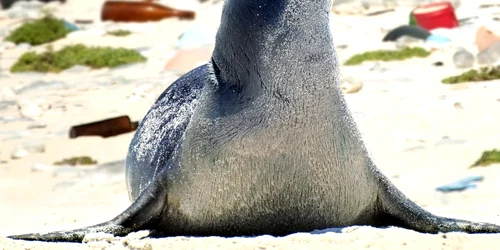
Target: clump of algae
<point>473,75</point>
<point>40,31</point>
<point>119,33</point>
<point>78,160</point>
<point>488,158</point>
<point>387,55</point>
<point>57,61</point>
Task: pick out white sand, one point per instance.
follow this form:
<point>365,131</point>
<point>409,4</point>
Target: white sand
<point>402,108</point>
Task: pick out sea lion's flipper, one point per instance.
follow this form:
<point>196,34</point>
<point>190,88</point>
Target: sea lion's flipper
<point>162,130</point>
<point>148,206</point>
<point>395,209</point>
<point>76,235</point>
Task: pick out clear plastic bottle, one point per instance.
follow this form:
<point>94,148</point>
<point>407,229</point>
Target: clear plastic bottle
<point>463,58</point>
<point>490,55</point>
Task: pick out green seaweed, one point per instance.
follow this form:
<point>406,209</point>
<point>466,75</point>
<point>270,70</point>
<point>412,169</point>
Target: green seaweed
<point>94,57</point>
<point>387,55</point>
<point>119,33</point>
<point>40,31</point>
<point>79,160</point>
<point>488,158</point>
<point>473,75</point>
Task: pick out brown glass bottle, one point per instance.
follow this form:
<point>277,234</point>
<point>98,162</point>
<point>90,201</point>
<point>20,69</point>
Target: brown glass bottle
<point>140,11</point>
<point>105,128</point>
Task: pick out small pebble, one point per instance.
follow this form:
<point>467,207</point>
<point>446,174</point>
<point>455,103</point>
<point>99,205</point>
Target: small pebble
<point>93,237</point>
<point>6,104</point>
<point>99,245</point>
<point>378,68</point>
<point>25,149</point>
<point>349,85</point>
<point>138,244</point>
<point>19,153</point>
<point>37,125</point>
<point>448,141</point>
<point>40,167</point>
<point>7,94</point>
<point>458,105</point>
<point>145,51</point>
<point>137,235</point>
<point>6,46</point>
<point>35,147</point>
<point>142,90</point>
<point>438,64</point>
<point>30,110</point>
<point>24,46</point>
<point>414,148</point>
<point>342,46</point>
<point>365,4</point>
<point>354,8</point>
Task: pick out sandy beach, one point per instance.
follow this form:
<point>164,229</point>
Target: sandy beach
<point>422,134</point>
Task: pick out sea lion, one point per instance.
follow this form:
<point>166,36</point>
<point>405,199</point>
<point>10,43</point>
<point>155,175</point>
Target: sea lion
<point>259,141</point>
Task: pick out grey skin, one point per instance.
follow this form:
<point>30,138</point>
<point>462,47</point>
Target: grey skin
<point>259,141</point>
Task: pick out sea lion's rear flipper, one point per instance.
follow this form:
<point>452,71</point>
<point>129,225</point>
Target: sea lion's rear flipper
<point>395,209</point>
<point>148,206</point>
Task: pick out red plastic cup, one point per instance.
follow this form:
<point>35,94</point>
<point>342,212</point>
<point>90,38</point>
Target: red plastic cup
<point>435,15</point>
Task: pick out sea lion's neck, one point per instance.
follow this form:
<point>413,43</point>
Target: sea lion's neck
<point>281,49</point>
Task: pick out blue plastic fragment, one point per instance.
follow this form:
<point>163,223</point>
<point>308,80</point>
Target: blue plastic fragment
<point>438,39</point>
<point>465,183</point>
<point>196,37</point>
<point>70,26</point>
